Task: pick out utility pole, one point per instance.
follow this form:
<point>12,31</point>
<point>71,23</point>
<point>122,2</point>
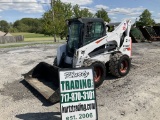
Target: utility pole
<point>52,5</point>
<point>52,9</point>
<point>136,22</point>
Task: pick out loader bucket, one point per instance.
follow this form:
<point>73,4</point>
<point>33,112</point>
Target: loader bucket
<point>45,79</point>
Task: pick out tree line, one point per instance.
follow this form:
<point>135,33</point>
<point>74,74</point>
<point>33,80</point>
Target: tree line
<point>53,21</point>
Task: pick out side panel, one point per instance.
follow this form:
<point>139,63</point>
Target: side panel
<point>68,60</point>
<point>60,51</point>
<point>83,52</point>
<point>127,46</point>
<point>105,57</point>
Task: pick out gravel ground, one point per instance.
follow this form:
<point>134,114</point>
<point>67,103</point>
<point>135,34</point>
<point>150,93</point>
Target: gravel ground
<point>133,97</point>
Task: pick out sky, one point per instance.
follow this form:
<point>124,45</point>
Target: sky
<point>12,10</point>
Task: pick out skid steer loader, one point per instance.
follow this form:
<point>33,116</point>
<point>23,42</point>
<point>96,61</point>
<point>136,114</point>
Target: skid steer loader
<point>88,44</point>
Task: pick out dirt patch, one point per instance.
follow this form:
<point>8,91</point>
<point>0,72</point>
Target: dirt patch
<point>24,51</point>
<point>133,97</point>
<point>17,91</point>
<point>28,62</point>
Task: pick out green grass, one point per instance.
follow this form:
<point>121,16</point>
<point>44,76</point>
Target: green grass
<point>22,45</point>
<point>37,39</point>
<point>33,37</point>
<point>30,35</point>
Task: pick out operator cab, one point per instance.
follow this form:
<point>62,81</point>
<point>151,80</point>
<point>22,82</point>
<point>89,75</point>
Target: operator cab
<point>82,31</point>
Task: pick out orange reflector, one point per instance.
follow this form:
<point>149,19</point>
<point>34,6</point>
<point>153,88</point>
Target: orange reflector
<point>98,41</point>
<point>129,49</point>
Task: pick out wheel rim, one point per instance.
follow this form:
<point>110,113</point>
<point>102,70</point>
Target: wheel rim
<point>124,66</point>
<point>98,74</point>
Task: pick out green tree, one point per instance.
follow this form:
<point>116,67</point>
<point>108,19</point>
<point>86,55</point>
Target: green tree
<point>145,19</point>
<point>78,12</point>
<point>32,25</point>
<point>54,20</point>
<point>4,26</point>
<point>86,13</point>
<point>103,14</point>
<point>48,23</point>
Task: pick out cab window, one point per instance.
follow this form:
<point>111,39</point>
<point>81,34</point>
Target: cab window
<point>94,31</point>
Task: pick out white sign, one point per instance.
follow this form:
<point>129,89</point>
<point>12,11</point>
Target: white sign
<point>77,95</point>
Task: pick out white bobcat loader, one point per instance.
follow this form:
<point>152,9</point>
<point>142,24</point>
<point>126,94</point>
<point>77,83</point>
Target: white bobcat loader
<point>88,44</point>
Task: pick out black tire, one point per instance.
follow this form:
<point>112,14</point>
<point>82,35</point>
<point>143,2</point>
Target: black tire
<point>99,70</point>
<point>55,61</point>
<point>119,65</point>
<point>107,67</point>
